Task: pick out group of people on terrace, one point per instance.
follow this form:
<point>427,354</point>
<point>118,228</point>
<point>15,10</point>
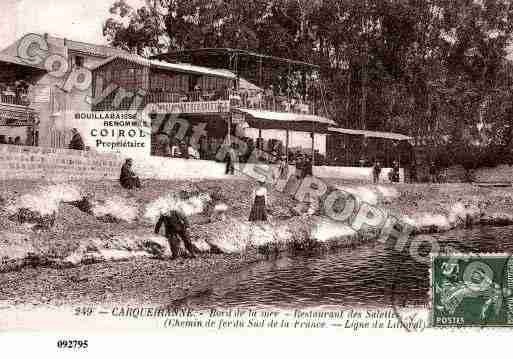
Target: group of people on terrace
<point>14,93</point>
<point>266,99</point>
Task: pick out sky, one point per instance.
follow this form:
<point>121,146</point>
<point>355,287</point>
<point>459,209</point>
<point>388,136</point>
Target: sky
<point>79,20</point>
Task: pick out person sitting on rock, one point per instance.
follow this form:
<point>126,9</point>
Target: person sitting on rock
<point>127,178</point>
<point>76,142</point>
<point>176,227</point>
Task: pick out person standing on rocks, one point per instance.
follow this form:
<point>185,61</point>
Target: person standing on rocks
<point>176,227</point>
<point>259,209</point>
<point>300,167</point>
<point>231,160</point>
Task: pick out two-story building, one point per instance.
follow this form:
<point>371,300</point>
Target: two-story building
<point>271,103</point>
<point>34,96</point>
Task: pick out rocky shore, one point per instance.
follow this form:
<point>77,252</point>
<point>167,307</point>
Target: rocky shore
<point>85,258</point>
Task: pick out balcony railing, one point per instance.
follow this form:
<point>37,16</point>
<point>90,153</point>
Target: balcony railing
<point>239,99</point>
<point>14,107</point>
<point>13,99</point>
<point>194,96</point>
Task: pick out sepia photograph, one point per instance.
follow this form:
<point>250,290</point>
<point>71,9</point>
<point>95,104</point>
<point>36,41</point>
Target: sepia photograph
<point>262,165</point>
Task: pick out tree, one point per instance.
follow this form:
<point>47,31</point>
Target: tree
<point>433,69</point>
<point>139,31</point>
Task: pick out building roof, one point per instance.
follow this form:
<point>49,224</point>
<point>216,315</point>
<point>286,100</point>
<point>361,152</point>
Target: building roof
<point>178,67</point>
<point>93,49</point>
<point>373,134</point>
<point>103,51</point>
<point>6,58</point>
<point>286,116</point>
<point>240,52</point>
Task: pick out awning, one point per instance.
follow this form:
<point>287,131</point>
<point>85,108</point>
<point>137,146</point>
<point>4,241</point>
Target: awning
<point>373,134</point>
<point>286,116</point>
<point>248,86</point>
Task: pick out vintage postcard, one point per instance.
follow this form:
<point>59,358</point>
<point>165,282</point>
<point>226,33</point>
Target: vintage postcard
<point>291,166</point>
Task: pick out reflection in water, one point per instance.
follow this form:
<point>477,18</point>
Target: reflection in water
<point>371,275</point>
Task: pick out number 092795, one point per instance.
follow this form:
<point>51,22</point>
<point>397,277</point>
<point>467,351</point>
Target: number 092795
<point>72,344</point>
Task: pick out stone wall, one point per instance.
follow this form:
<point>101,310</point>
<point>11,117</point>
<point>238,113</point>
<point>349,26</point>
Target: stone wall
<point>23,162</point>
<point>56,164</point>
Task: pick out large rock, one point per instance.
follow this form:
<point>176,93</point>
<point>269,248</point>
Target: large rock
<point>231,236</point>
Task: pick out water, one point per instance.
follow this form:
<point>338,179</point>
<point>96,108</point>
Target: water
<point>371,275</point>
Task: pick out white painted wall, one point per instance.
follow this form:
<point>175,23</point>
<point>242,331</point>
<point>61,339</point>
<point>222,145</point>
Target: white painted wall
<point>178,168</point>
<point>296,138</point>
<point>353,173</point>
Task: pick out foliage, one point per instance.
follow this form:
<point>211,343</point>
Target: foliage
<point>433,69</point>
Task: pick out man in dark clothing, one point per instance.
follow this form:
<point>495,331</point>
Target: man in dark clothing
<point>127,178</point>
<point>395,171</point>
<point>300,167</point>
<point>176,227</point>
<point>231,159</point>
<point>413,172</point>
<point>76,142</point>
<point>433,172</point>
<point>376,171</point>
<point>308,167</point>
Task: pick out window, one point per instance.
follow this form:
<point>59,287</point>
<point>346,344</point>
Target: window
<point>128,77</point>
<point>79,61</point>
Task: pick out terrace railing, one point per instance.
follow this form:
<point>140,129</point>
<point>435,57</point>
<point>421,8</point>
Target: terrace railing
<point>11,98</point>
<point>194,96</point>
<point>240,99</point>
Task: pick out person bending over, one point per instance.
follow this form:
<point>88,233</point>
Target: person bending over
<point>176,227</point>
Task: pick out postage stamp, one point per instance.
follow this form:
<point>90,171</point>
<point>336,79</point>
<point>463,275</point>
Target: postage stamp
<point>260,166</point>
<point>472,290</point>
